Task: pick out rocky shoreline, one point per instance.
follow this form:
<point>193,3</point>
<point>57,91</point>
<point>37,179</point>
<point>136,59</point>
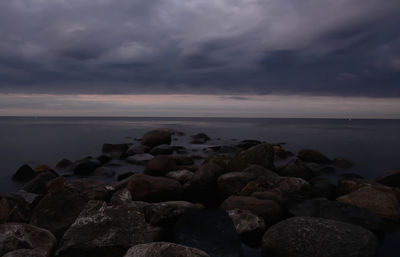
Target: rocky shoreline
<point>185,204</point>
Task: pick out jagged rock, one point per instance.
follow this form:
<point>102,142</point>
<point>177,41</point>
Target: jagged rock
<point>156,137</point>
<point>20,205</point>
<point>102,230</point>
<point>160,165</point>
<point>154,189</point>
<point>122,196</point>
<point>182,176</point>
<point>309,155</point>
<point>164,249</point>
<point>232,182</point>
<point>140,159</point>
<point>210,231</point>
<point>313,237</point>
<point>35,241</point>
<point>24,173</point>
<point>262,154</point>
<point>249,226</point>
<point>38,184</point>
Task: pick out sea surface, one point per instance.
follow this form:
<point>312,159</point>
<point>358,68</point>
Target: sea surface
<point>372,145</point>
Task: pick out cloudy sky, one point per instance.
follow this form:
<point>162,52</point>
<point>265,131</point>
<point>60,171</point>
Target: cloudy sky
<point>224,52</point>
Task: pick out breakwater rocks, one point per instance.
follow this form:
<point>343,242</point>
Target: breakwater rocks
<point>203,205</point>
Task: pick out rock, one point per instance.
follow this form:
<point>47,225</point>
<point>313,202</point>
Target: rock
<point>5,210</point>
<point>42,168</point>
<point>249,226</point>
<point>351,175</point>
<point>20,205</point>
<point>102,230</point>
<point>269,210</point>
<point>160,165</point>
<point>14,236</point>
<point>116,150</point>
<point>262,154</point>
<point>156,137</point>
<point>281,153</point>
<point>228,149</point>
<point>323,208</point>
<point>382,202</point>
<point>165,213</point>
<point>135,149</point>
<point>63,164</point>
<point>392,179</point>
<point>309,155</point>
<point>164,249</point>
<point>346,186</point>
<point>200,138</point>
<point>154,189</point>
<point>24,253</point>
<point>322,188</point>
<point>182,160</point>
<point>24,173</point>
<point>258,171</point>
<point>210,231</point>
<point>286,185</point>
<point>122,196</point>
<point>298,169</point>
<point>233,182</point>
<point>274,194</point>
<point>38,184</point>
<point>307,236</point>
<point>104,172</point>
<point>104,158</point>
<point>125,175</point>
<point>221,160</point>
<point>140,159</point>
<point>246,144</point>
<point>161,149</point>
<point>182,176</point>
<point>342,163</point>
<point>86,167</point>
<point>203,185</point>
<point>57,211</point>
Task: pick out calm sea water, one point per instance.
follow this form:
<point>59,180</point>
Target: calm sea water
<point>373,145</point>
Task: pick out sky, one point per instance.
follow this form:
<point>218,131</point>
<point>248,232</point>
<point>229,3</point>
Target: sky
<point>253,58</point>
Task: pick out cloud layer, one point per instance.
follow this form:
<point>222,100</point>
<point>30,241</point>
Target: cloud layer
<point>318,47</point>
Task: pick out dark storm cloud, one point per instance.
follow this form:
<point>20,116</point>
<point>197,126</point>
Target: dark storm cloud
<point>343,47</point>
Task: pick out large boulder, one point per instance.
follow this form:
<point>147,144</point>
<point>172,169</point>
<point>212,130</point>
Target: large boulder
<point>270,210</point>
<point>160,165</point>
<point>86,167</point>
<point>286,185</point>
<point>164,249</point>
<point>392,179</point>
<point>323,208</point>
<point>380,201</point>
<point>346,186</point>
<point>102,230</point>
<point>232,182</point>
<point>259,171</point>
<point>249,226</point>
<point>17,207</point>
<point>154,189</point>
<point>156,137</point>
<point>182,176</point>
<point>296,168</point>
<point>261,154</point>
<point>35,241</point>
<point>38,184</point>
<point>24,173</point>
<point>210,231</point>
<point>309,155</point>
<point>314,237</point>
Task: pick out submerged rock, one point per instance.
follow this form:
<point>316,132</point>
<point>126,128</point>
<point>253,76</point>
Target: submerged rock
<point>32,240</point>
<point>262,154</point>
<point>314,237</point>
<point>200,138</point>
<point>164,249</point>
<point>116,150</point>
<point>156,137</point>
<point>102,230</point>
<point>63,164</point>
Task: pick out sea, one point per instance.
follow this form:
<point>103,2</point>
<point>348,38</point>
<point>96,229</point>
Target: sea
<point>372,145</point>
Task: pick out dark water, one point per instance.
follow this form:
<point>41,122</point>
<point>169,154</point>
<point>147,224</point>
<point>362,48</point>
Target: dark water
<point>373,145</point>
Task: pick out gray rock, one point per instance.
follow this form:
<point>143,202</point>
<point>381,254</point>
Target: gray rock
<point>102,230</point>
<point>14,236</point>
<point>315,237</point>
<point>164,249</point>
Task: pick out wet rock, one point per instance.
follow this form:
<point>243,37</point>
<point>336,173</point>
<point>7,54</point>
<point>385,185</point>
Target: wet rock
<point>135,149</point>
<point>164,249</point>
<point>346,186</point>
<point>323,208</point>
<point>115,150</point>
<point>203,185</point>
<point>104,158</point>
<point>156,137</point>
<point>86,167</point>
<point>154,189</point>
<point>182,176</point>
<point>104,172</point>
<point>20,205</point>
<point>102,230</point>
<point>161,214</point>
<point>24,173</point>
<point>63,164</point>
<point>380,201</point>
<point>38,184</point>
<point>281,153</point>
<point>246,144</point>
<point>200,138</point>
<point>5,210</point>
<point>122,196</point>
<point>309,155</point>
<point>42,168</point>
<point>15,237</point>
<point>392,179</point>
<point>298,169</point>
<point>221,160</point>
<point>322,188</point>
<point>160,165</point>
<point>286,185</point>
<point>140,159</point>
<point>262,154</point>
<point>161,149</point>
<point>182,160</point>
<point>228,149</point>
<point>210,231</point>
<point>249,226</point>
<point>258,171</point>
<point>269,210</point>
<point>233,182</point>
<point>342,163</point>
<point>307,236</point>
<point>125,175</point>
